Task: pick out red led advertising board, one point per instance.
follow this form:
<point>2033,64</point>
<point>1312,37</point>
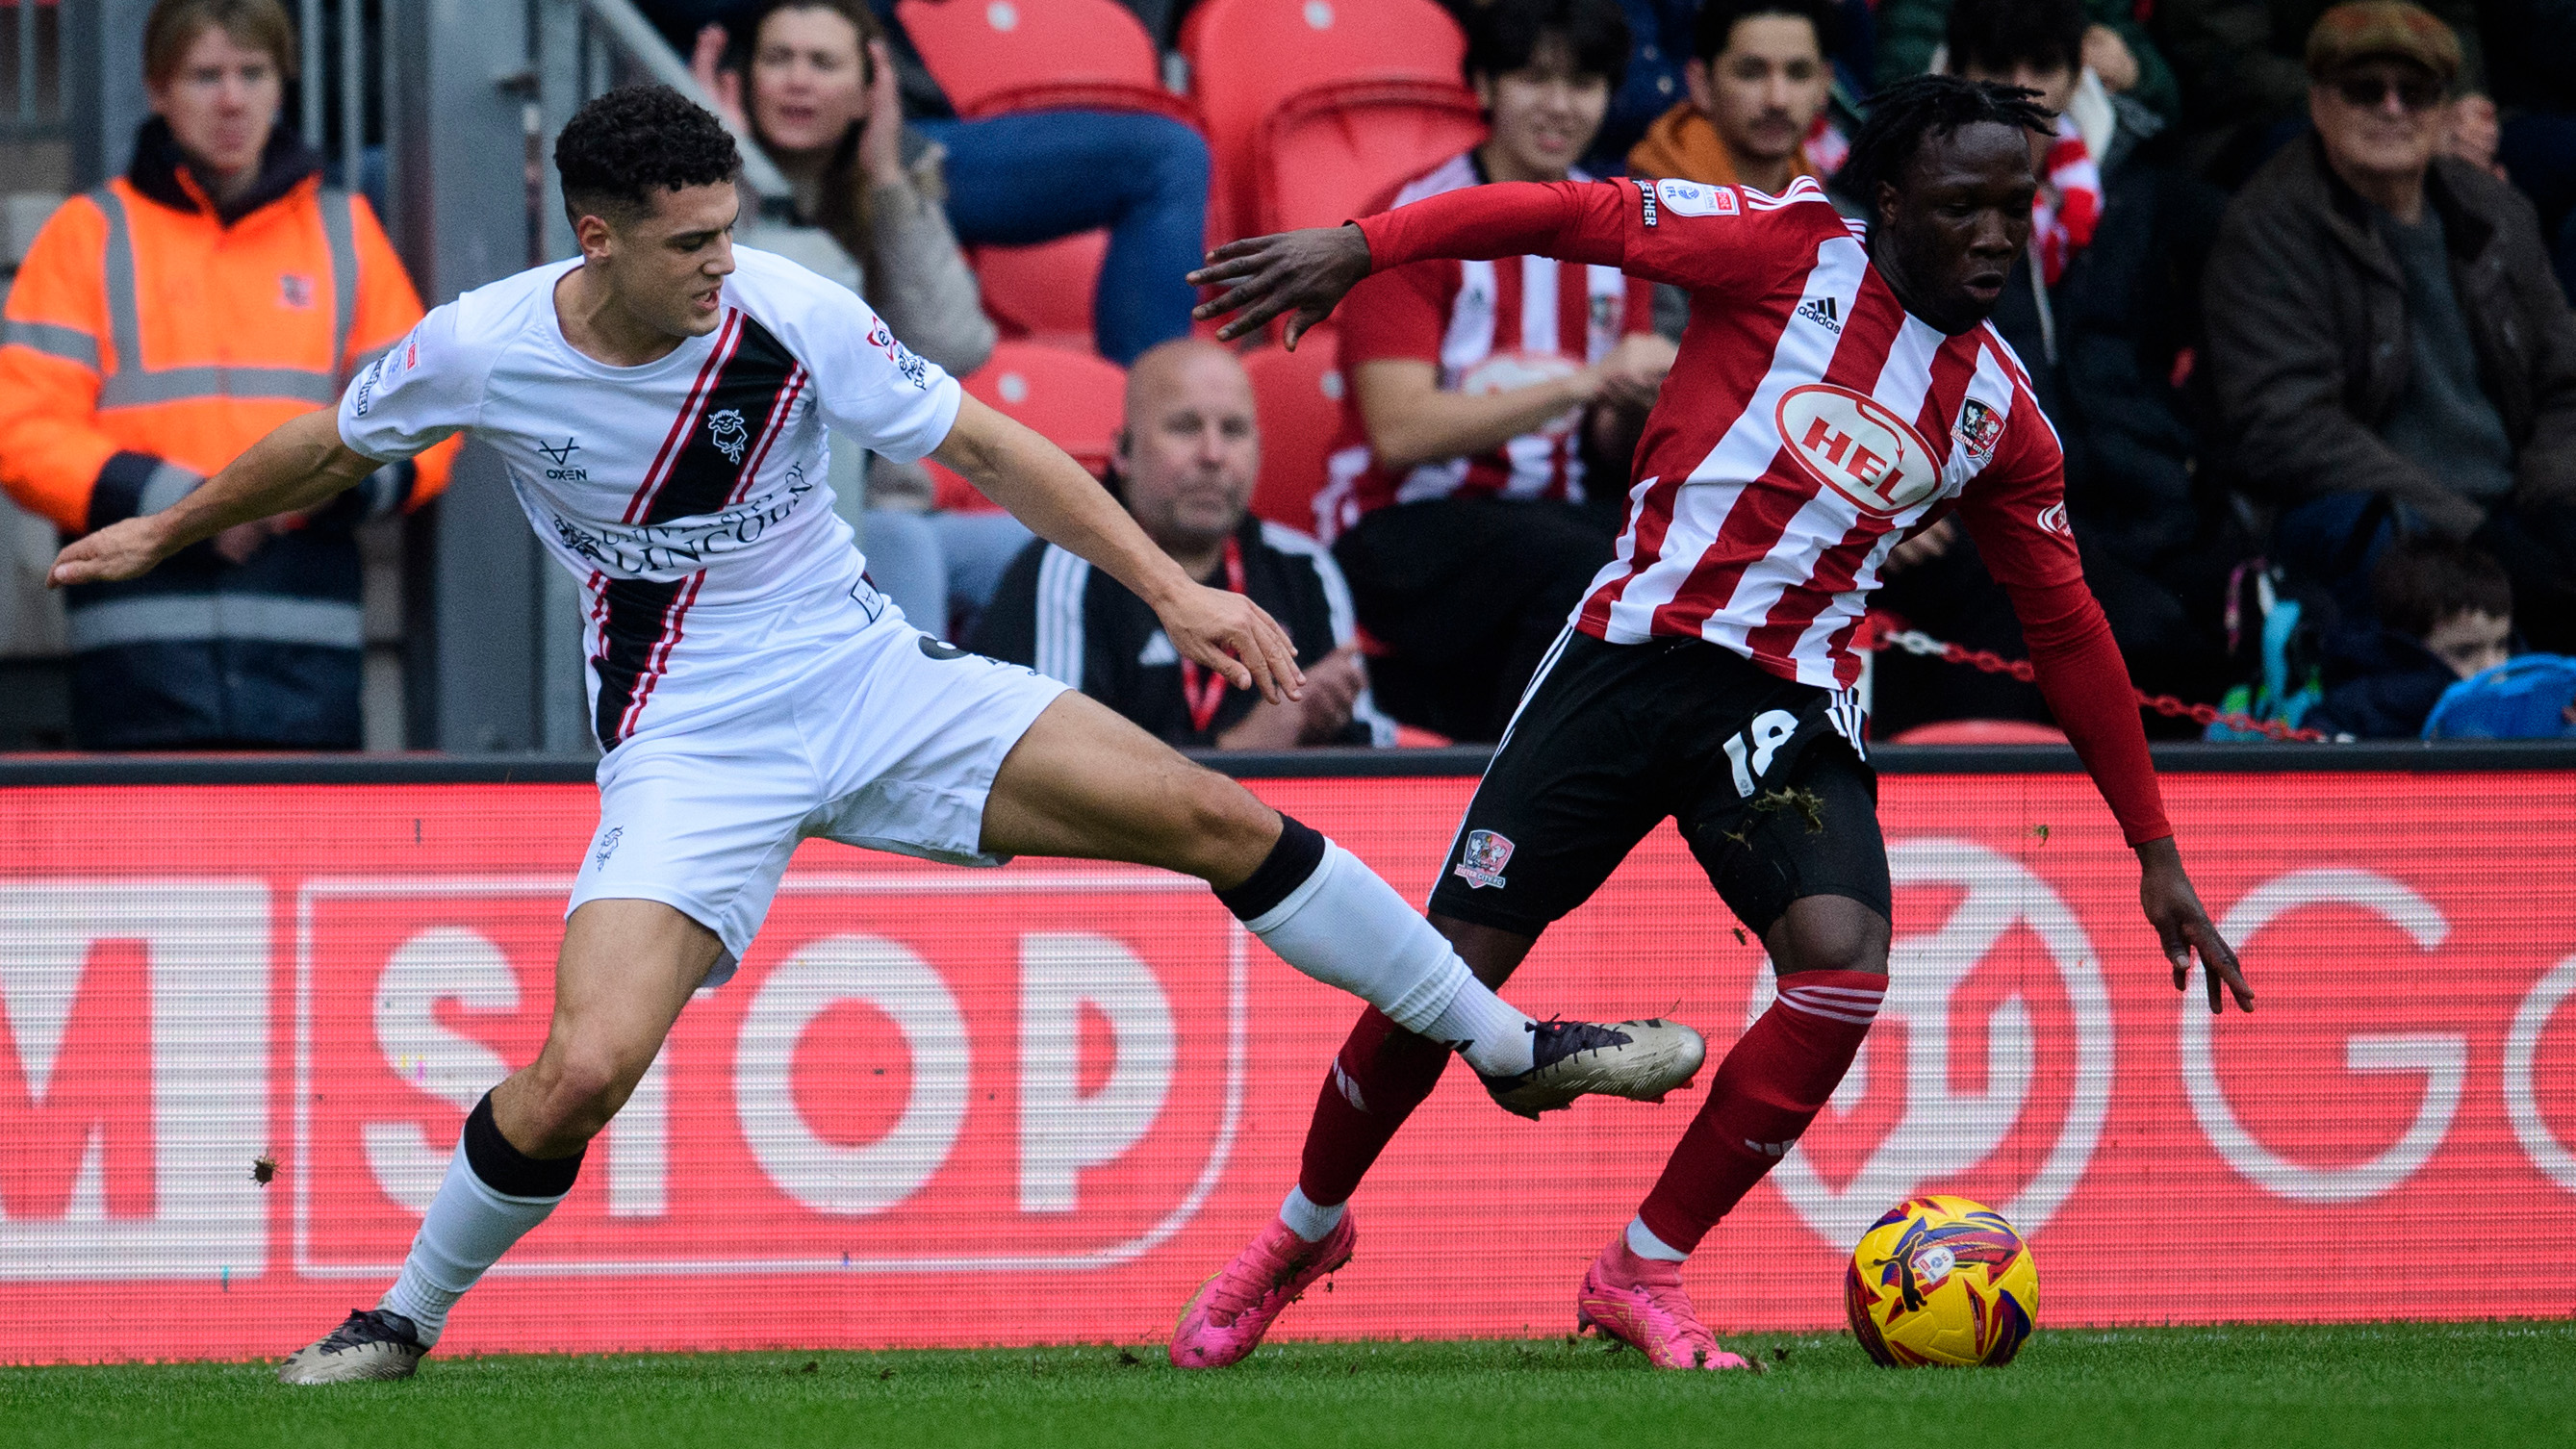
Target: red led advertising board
<point>1040,1104</point>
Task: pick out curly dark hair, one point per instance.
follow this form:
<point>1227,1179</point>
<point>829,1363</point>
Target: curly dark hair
<point>1993,34</point>
<point>636,140</point>
<point>1901,115</point>
<point>1717,21</point>
<point>1505,36</point>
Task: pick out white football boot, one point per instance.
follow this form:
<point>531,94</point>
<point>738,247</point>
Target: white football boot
<point>374,1343</point>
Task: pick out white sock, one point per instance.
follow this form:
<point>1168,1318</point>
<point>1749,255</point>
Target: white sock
<point>1346,927</point>
<point>468,1228</point>
<point>1643,1242</point>
<point>1306,1218</point>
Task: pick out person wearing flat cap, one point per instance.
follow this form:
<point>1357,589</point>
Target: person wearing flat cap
<point>2392,354</point>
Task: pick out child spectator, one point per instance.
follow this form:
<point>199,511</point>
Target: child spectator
<point>2445,611</point>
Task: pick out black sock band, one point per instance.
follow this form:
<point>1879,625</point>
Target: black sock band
<point>504,1168</point>
<point>1291,862</point>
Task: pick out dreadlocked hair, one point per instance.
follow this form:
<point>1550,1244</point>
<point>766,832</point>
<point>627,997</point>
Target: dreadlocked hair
<point>1901,115</point>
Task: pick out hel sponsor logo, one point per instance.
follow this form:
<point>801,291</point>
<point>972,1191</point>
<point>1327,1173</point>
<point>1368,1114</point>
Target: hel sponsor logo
<point>1856,447</point>
<point>1481,860</point>
<point>1692,198</point>
<point>2052,519</point>
<point>1511,371</point>
<point>725,426</point>
<point>1980,429</point>
<point>1825,312</point>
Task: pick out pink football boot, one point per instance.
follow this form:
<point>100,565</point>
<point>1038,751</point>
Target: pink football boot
<point>1227,1316</point>
<point>1641,1301</point>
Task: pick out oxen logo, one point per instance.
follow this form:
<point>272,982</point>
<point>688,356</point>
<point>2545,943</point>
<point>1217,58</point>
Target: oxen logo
<point>1858,448</point>
<point>726,427</point>
<point>1944,1134</point>
<point>1482,858</point>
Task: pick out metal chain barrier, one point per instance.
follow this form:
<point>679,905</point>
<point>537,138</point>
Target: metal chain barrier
<point>1915,641</point>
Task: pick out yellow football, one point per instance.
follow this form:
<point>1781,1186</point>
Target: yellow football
<point>1941,1280</point>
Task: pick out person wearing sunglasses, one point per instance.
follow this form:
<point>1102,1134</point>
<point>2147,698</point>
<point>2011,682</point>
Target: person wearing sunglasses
<point>2392,355</point>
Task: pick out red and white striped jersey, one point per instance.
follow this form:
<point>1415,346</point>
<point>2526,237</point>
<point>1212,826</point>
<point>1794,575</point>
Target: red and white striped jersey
<point>1489,325</point>
<point>1809,426</point>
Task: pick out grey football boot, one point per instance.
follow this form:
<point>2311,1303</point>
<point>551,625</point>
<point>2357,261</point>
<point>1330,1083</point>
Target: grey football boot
<point>373,1343</point>
<point>1639,1060</point>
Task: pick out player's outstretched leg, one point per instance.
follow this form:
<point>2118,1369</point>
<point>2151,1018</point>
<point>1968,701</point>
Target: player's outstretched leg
<point>1086,783</point>
<point>1831,955</point>
<point>626,969</point>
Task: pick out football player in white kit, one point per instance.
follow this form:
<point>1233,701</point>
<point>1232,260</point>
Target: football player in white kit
<point>661,403</point>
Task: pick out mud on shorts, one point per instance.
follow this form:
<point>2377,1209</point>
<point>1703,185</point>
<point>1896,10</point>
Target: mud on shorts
<point>1757,772</point>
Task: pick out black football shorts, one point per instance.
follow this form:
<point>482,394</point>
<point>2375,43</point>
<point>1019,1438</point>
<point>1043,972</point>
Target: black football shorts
<point>1757,772</point>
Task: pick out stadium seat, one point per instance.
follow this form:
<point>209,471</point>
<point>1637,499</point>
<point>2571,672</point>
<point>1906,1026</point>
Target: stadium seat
<point>1043,293</point>
<point>1340,151</point>
<point>1074,398</point>
<point>1982,732</point>
<point>1299,395</point>
<point>1250,57</point>
<point>995,56</point>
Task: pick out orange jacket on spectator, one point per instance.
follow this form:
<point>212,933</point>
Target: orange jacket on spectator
<point>151,337</point>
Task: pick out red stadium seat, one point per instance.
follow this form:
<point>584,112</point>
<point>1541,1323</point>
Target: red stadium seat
<point>1043,293</point>
<point>1299,395</point>
<point>996,56</point>
<point>1074,398</point>
<point>1250,57</point>
<point>1982,732</point>
<point>1337,152</point>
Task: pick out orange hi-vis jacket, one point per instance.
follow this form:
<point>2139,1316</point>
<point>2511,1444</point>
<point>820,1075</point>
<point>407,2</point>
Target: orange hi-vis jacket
<point>150,339</point>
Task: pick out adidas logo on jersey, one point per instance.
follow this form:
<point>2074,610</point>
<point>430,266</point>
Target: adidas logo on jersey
<point>1824,312</point>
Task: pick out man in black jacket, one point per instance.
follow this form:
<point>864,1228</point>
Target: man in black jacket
<point>1187,461</point>
<point>2392,354</point>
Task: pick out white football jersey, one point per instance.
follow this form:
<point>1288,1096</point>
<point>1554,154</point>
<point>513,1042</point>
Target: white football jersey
<point>688,494</point>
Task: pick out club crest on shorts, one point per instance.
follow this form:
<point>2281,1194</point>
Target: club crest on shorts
<point>1481,861</point>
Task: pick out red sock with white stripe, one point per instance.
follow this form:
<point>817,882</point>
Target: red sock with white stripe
<point>1765,1093</point>
<point>1380,1075</point>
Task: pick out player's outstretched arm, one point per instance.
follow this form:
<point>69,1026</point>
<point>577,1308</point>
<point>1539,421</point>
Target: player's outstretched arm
<point>2183,927</point>
<point>301,464</point>
<point>1303,273</point>
<point>1064,505</point>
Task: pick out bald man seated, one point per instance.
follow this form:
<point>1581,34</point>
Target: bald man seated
<point>1186,460</point>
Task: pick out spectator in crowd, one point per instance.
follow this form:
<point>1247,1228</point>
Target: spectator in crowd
<point>2114,46</point>
<point>1484,394</point>
<point>2095,309</point>
<point>2445,612</point>
<point>160,325</point>
<point>1188,456</point>
<point>823,103</point>
<point>2393,355</point>
<point>2245,80</point>
<point>1025,178</point>
<point>1756,81</point>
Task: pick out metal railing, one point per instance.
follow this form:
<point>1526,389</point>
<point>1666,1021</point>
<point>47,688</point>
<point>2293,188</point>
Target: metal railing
<point>35,39</point>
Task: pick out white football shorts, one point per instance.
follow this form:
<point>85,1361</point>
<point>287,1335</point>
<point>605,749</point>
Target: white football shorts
<point>884,738</point>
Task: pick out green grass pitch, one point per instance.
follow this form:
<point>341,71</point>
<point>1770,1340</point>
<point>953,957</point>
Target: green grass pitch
<point>2276,1387</point>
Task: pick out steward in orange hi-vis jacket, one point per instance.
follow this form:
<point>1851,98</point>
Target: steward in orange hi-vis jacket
<point>153,335</point>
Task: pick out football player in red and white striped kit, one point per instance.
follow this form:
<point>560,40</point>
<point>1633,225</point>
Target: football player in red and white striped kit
<point>1837,391</point>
